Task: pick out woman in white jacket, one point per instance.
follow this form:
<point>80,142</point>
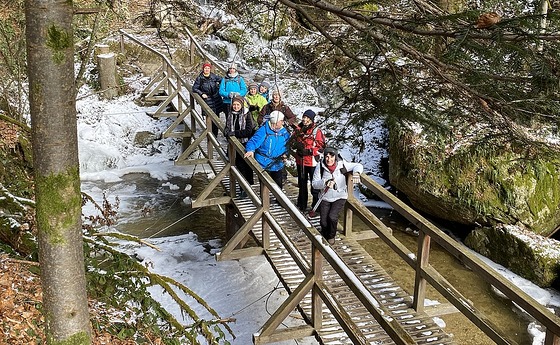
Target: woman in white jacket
<point>330,178</point>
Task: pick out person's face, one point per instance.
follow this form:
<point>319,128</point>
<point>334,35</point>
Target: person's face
<point>330,159</point>
<point>236,106</point>
<point>253,90</point>
<point>231,70</point>
<point>278,124</point>
<point>306,121</point>
<point>276,97</point>
<point>262,89</point>
<point>206,69</point>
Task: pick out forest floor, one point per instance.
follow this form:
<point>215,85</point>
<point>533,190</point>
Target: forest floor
<point>21,320</point>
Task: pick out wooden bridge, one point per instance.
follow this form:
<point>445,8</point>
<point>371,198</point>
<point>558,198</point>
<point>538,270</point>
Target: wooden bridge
<point>344,296</point>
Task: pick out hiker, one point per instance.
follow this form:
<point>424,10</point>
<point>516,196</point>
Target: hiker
<point>239,124</point>
<point>207,85</point>
<point>277,104</point>
<point>255,101</point>
<point>329,177</point>
<point>269,146</point>
<point>308,141</point>
<point>263,90</point>
<point>232,85</point>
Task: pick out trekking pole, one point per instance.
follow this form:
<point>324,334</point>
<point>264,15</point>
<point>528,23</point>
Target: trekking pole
<point>320,199</point>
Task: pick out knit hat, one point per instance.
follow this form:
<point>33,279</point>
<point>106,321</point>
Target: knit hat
<point>237,99</point>
<point>276,116</point>
<point>265,84</point>
<point>253,85</point>
<point>206,64</point>
<point>331,150</point>
<point>310,114</point>
<point>232,65</point>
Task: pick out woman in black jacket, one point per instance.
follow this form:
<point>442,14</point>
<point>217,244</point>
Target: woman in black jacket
<point>207,85</point>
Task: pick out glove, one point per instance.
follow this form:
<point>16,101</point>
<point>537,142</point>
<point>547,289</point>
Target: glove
<point>230,134</point>
<point>356,178</point>
<point>307,152</point>
<point>253,108</point>
<point>331,184</point>
<point>231,94</point>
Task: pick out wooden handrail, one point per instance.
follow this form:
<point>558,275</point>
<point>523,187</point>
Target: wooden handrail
<point>425,271</point>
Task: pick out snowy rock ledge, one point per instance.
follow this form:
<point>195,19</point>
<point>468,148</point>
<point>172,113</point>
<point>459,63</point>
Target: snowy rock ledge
<point>531,256</point>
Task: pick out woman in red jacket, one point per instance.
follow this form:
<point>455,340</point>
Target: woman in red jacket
<point>309,143</point>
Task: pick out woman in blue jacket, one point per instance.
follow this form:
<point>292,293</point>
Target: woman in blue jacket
<point>269,146</point>
<point>232,85</point>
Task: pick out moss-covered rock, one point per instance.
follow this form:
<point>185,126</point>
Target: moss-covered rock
<point>529,255</point>
<point>484,184</point>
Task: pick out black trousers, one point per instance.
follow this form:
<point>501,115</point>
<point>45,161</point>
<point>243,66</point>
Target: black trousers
<point>305,175</point>
<point>330,212</point>
<point>276,176</point>
<point>244,168</point>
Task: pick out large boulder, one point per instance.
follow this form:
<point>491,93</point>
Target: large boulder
<point>475,184</point>
<point>490,186</point>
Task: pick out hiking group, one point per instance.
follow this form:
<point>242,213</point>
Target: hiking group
<point>270,133</point>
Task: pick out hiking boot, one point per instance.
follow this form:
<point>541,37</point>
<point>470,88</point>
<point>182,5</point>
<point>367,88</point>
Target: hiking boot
<point>331,241</point>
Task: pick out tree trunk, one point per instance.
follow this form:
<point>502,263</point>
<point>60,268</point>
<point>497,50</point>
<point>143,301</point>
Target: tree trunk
<point>50,59</point>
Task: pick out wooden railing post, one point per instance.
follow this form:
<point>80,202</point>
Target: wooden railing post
<point>551,338</point>
<point>419,281</point>
<point>348,213</point>
<point>192,49</point>
<point>265,197</point>
<point>232,180</point>
<point>122,44</point>
<point>316,302</point>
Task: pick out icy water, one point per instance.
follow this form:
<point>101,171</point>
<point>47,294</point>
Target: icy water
<point>499,310</point>
<point>155,208</point>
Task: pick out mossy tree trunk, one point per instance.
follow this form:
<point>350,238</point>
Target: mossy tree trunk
<point>50,59</point>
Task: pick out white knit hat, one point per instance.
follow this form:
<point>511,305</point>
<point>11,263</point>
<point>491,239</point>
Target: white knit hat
<point>276,116</point>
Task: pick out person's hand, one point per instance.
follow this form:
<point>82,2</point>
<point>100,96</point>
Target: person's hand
<point>356,178</point>
<point>253,108</point>
<point>204,96</point>
<point>248,154</point>
<point>231,94</point>
<point>331,184</point>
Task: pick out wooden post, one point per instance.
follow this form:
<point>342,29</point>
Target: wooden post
<point>102,49</point>
<point>348,213</point>
<point>551,338</point>
<point>422,261</point>
<point>265,197</point>
<point>108,75</point>
<point>316,302</point>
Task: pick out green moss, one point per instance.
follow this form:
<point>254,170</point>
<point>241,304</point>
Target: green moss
<point>58,40</point>
<point>499,183</point>
<point>80,338</point>
<point>58,203</point>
